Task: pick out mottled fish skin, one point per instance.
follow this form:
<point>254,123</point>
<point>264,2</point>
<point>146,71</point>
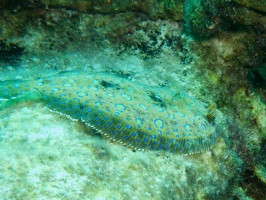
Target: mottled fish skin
<point>135,115</point>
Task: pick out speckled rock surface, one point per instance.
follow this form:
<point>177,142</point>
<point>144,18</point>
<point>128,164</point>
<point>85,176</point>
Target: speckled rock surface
<point>53,157</point>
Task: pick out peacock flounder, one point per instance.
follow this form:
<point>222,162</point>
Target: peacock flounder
<point>135,115</point>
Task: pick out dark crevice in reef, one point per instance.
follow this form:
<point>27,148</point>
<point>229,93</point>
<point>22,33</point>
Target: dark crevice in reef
<point>254,187</point>
<point>18,5</point>
<point>10,53</point>
<point>257,79</point>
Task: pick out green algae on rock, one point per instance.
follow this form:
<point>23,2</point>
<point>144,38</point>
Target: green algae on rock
<point>255,4</point>
<point>135,115</point>
<point>201,18</point>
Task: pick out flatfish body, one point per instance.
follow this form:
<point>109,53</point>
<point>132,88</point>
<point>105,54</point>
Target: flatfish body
<point>135,115</point>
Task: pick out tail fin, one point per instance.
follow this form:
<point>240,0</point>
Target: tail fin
<point>12,89</point>
<point>15,91</point>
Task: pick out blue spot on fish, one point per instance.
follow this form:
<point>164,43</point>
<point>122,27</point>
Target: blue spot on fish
<point>125,96</point>
<point>159,123</point>
<point>153,123</point>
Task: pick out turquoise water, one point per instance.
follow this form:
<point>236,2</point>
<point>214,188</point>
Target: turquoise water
<point>132,100</point>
